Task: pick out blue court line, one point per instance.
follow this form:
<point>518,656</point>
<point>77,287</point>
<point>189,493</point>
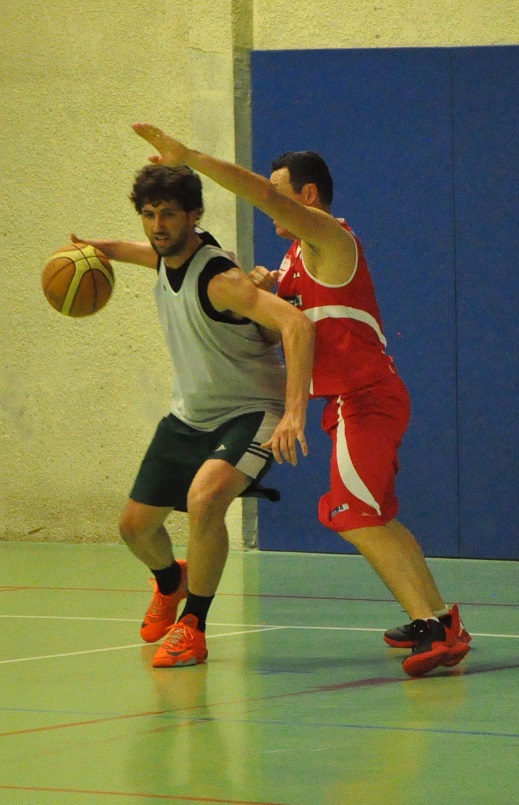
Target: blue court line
<point>310,725</point>
<point>359,683</point>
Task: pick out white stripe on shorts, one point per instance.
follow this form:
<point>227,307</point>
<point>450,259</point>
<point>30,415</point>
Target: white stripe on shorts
<point>255,457</point>
<point>350,478</point>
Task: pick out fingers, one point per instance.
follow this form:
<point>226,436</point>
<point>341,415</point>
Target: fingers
<point>79,241</point>
<point>259,272</point>
<point>147,132</point>
<point>284,451</point>
<point>284,447</point>
<point>302,442</point>
<point>263,278</point>
<point>152,135</point>
<point>171,152</point>
<point>256,277</point>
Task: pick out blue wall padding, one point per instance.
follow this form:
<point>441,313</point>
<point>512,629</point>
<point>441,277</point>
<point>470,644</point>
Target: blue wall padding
<point>423,147</point>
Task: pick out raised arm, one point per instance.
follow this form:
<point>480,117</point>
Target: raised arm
<point>233,290</point>
<point>330,250</point>
<point>126,251</point>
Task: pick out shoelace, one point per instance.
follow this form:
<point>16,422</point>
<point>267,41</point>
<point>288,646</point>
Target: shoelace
<point>178,635</point>
<point>156,603</point>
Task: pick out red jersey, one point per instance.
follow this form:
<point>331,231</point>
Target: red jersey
<point>350,345</point>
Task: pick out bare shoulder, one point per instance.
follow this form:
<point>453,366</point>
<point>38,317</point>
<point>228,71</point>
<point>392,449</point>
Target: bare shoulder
<point>331,258</point>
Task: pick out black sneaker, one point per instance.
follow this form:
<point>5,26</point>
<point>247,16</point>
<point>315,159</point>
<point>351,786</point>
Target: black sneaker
<point>434,644</point>
<point>403,636</point>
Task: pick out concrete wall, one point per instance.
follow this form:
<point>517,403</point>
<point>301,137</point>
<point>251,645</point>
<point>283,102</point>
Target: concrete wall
<point>384,23</point>
<point>79,399</point>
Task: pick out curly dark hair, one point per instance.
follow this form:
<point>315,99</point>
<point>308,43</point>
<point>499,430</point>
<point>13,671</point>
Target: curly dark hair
<point>158,183</point>
<point>306,167</point>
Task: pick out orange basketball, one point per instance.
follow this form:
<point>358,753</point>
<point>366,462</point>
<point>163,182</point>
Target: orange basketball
<point>78,280</point>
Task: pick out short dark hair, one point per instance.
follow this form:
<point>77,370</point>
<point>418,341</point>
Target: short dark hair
<point>306,167</point>
<point>157,183</point>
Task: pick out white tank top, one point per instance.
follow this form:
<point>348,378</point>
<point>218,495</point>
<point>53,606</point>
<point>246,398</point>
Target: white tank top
<point>220,369</point>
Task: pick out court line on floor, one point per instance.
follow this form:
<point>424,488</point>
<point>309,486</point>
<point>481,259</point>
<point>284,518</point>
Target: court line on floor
<point>351,629</point>
<point>204,706</point>
<point>342,686</point>
<point>295,596</point>
<point>73,618</point>
<point>135,795</point>
<point>337,687</point>
<point>373,727</point>
<point>254,629</point>
<point>132,645</point>
<point>253,626</point>
<point>54,588</point>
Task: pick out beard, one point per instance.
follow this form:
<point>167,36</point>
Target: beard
<point>173,246</point>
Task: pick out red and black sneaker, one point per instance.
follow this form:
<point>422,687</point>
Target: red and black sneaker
<point>434,644</point>
<point>403,636</point>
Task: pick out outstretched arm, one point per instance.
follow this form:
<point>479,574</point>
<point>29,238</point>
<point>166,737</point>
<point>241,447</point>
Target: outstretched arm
<point>251,186</point>
<point>327,241</point>
<point>126,251</point>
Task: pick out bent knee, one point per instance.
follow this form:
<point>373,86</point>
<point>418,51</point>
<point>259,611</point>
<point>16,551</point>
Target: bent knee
<point>137,521</point>
<point>207,503</point>
<point>129,528</point>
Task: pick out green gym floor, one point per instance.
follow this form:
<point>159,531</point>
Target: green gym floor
<point>299,703</point>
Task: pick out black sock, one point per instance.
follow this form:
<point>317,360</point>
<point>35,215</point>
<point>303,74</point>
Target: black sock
<point>168,579</point>
<point>198,605</point>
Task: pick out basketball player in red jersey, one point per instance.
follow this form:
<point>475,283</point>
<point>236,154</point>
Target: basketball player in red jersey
<point>325,274</point>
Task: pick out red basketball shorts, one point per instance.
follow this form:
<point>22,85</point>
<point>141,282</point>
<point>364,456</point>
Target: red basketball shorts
<point>366,428</point>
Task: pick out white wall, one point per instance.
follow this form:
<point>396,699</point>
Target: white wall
<point>384,23</point>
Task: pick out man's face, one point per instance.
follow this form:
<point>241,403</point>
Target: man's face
<point>281,181</point>
<point>168,227</point>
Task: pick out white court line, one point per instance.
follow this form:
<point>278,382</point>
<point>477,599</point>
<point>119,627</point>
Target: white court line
<point>210,623</point>
<point>121,648</point>
<point>357,629</point>
<point>72,618</point>
<point>353,629</point>
<point>69,654</point>
<point>253,626</point>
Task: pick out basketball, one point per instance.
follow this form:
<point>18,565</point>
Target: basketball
<point>78,280</point>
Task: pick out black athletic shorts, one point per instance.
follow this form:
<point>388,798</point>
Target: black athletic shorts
<point>177,451</point>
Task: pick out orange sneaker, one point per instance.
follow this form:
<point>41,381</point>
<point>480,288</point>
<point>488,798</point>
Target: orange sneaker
<point>184,645</point>
<point>162,612</point>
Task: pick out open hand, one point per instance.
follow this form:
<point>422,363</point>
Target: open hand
<point>283,441</point>
<point>171,151</point>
